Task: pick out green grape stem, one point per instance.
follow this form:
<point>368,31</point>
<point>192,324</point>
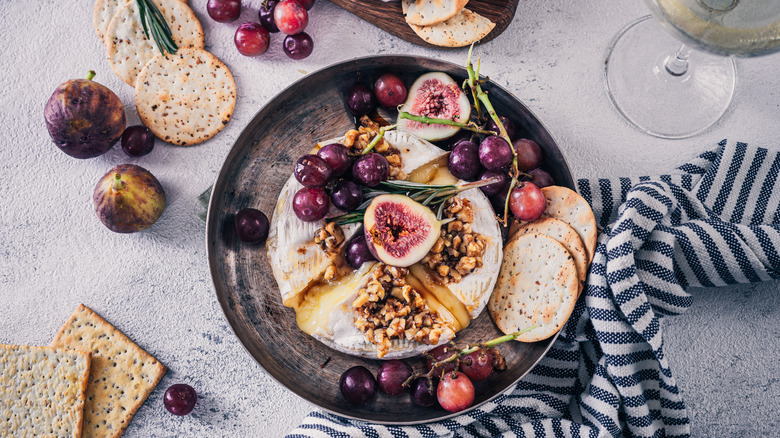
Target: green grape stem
<point>434,121</point>
<point>512,185</point>
<point>376,139</point>
<point>464,351</point>
<point>482,96</point>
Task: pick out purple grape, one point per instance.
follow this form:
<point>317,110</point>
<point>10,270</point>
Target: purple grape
<point>450,143</point>
<point>477,365</point>
<point>424,392</point>
<point>360,100</point>
<point>542,179</point>
<point>527,201</point>
<point>266,15</point>
<point>298,46</point>
<point>356,251</point>
<point>371,169</point>
<point>311,204</point>
<point>508,125</point>
<point>529,154</point>
<point>357,385</point>
<point>495,188</point>
<point>347,195</point>
<point>312,171</point>
<point>224,11</point>
<point>495,153</point>
<point>392,375</point>
<point>464,161</point>
<point>251,225</point>
<point>252,39</point>
<point>180,399</point>
<point>137,141</point>
<point>337,157</point>
<point>390,90</point>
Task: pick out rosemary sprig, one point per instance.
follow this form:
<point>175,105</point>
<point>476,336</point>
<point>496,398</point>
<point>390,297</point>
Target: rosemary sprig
<point>433,196</point>
<point>154,23</point>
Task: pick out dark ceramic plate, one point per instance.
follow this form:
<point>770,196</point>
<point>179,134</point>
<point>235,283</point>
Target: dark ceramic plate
<point>252,175</point>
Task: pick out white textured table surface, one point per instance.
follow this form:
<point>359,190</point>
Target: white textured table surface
<point>155,285</point>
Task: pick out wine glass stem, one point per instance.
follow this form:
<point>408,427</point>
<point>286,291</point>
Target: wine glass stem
<point>677,65</point>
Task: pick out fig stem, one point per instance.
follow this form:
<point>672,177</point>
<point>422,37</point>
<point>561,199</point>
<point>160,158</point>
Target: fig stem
<point>117,184</point>
<point>376,139</point>
<point>91,74</point>
<point>468,350</point>
<point>435,121</point>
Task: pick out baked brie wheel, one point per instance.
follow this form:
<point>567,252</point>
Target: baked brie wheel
<point>379,310</point>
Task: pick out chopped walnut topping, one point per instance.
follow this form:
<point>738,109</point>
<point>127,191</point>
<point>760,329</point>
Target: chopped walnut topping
<point>359,139</point>
<point>499,363</point>
<point>329,237</point>
<point>459,250</point>
<point>388,308</point>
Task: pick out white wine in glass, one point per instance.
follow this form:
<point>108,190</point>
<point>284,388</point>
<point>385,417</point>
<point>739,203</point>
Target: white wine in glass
<point>670,90</point>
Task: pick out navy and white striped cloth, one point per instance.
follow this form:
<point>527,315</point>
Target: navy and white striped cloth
<point>714,221</point>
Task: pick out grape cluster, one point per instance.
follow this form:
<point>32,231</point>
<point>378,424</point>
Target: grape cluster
<point>449,384</point>
<point>492,157</point>
<point>335,174</point>
<point>318,172</point>
<point>252,39</point>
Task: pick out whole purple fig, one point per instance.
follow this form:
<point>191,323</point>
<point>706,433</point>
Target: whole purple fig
<point>128,199</point>
<point>85,119</point>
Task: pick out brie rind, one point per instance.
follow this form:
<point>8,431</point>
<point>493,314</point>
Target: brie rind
<point>295,259</point>
<point>474,289</point>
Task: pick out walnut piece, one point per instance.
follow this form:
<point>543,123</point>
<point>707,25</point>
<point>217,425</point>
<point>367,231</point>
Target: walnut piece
<point>329,237</point>
<point>459,250</point>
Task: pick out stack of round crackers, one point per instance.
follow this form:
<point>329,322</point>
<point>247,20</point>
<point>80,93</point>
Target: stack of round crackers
<point>445,23</point>
<point>183,98</point>
<point>545,265</point>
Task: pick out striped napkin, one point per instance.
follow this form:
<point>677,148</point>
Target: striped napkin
<point>714,221</point>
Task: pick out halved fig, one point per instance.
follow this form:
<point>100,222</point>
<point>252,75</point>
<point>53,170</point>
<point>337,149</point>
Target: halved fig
<point>400,231</point>
<point>435,95</point>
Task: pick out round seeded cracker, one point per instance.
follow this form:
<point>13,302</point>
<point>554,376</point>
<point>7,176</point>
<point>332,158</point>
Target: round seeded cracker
<point>186,98</point>
<point>128,48</point>
<point>461,30</point>
<point>430,12</point>
<point>566,236</point>
<point>104,12</point>
<point>567,205</point>
<point>537,285</point>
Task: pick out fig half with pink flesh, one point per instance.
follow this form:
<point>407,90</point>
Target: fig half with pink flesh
<point>400,231</point>
<point>435,95</point>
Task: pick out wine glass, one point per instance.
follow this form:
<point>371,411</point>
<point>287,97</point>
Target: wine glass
<point>670,90</point>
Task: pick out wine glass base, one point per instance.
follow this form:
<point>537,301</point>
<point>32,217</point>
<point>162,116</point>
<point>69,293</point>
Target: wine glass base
<point>656,101</point>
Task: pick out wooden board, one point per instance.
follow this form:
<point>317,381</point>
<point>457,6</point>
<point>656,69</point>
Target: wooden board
<point>389,17</point>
